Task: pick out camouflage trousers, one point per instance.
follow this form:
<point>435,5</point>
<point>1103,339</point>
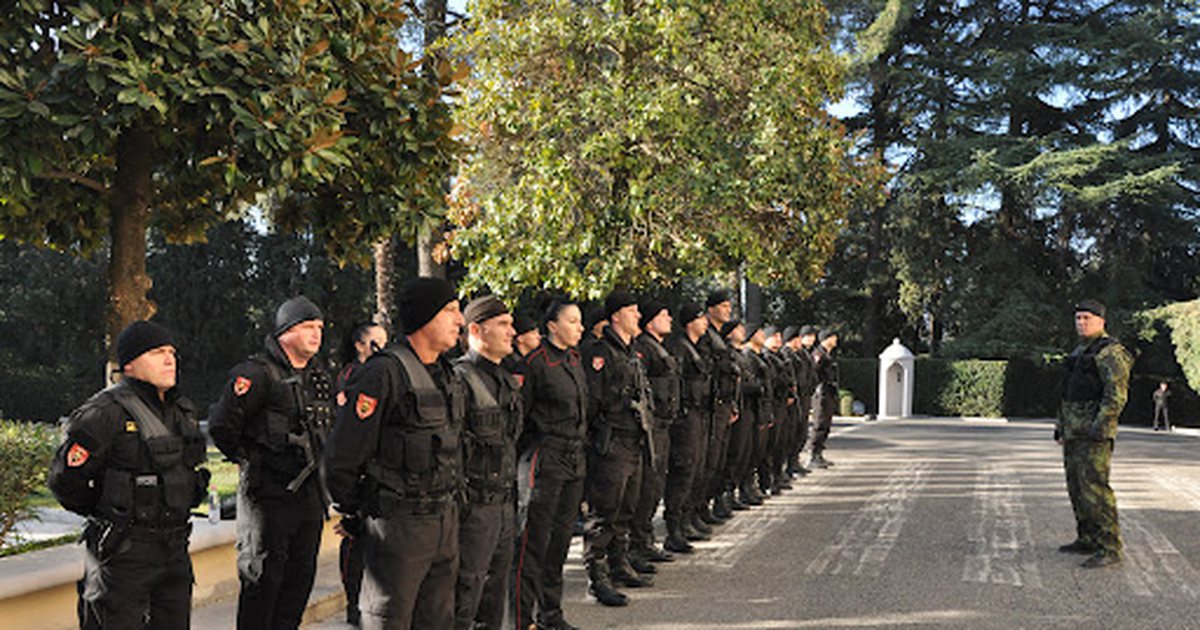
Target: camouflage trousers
<point>1087,464</point>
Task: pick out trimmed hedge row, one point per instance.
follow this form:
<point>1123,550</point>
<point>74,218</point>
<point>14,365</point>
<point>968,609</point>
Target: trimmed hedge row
<point>1014,388</point>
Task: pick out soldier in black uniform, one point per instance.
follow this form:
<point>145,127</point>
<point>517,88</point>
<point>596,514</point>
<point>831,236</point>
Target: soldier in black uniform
<point>725,382</point>
<point>271,419</point>
<point>364,340</point>
<point>775,480</point>
<point>825,397</point>
<point>806,383</point>
<point>394,460</point>
<point>662,370</point>
<point>489,440</point>
<point>618,439</point>
<point>129,464</point>
<point>687,432</point>
<point>554,397</point>
<point>756,410</point>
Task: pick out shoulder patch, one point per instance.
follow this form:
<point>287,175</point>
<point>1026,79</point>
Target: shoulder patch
<point>597,363</point>
<point>520,379</point>
<point>365,406</point>
<point>77,455</point>
<point>241,385</point>
<point>130,426</point>
<point>341,399</point>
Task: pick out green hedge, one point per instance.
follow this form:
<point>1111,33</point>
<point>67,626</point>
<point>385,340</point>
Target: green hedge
<point>25,452</point>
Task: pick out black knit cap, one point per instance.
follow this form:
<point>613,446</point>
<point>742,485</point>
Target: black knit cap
<point>808,330</point>
<point>421,300</point>
<point>689,312</point>
<point>769,331</point>
<point>729,326</point>
<point>1094,307</point>
<point>594,316</point>
<point>790,333</point>
<point>751,329</point>
<point>294,311</point>
<point>523,323</point>
<point>616,301</point>
<point>483,308</point>
<point>717,297</point>
<point>827,333</point>
<point>141,337</point>
<point>649,310</point>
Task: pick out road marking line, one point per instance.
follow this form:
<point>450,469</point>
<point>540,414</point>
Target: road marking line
<point>1000,533</point>
<point>1158,569</point>
<point>863,544</point>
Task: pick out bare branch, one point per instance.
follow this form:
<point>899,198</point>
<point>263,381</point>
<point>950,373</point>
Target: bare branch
<point>76,178</point>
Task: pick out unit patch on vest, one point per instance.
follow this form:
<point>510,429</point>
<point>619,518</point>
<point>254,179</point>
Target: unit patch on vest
<point>597,363</point>
<point>341,399</point>
<point>77,455</point>
<point>365,406</point>
<point>130,426</point>
<point>520,379</point>
<point>241,385</point>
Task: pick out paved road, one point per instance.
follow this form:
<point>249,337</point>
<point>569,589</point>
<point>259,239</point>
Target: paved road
<point>936,523</point>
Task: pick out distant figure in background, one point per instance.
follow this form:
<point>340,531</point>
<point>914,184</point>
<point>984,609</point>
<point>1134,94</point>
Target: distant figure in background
<point>364,340</point>
<point>1161,409</point>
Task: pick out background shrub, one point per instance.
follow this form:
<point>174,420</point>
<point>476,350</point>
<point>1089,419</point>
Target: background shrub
<point>25,452</point>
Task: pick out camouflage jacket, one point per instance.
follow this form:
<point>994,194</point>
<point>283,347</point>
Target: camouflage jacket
<point>1096,419</point>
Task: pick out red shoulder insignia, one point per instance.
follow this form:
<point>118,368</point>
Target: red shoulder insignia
<point>365,406</point>
<point>520,379</point>
<point>77,455</point>
<point>341,399</point>
<point>641,356</point>
<point>241,385</point>
<point>597,363</point>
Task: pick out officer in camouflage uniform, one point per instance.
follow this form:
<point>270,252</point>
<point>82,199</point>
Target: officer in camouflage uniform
<point>1093,396</point>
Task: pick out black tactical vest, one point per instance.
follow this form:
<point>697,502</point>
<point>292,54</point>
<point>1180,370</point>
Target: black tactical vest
<point>419,452</point>
<point>311,391</point>
<point>1083,381</point>
<point>662,370</point>
<point>164,485</point>
<point>489,436</point>
<point>696,384</point>
<point>725,371</point>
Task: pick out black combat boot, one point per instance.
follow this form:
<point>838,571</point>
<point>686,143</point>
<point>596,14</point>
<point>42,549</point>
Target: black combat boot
<point>735,504</point>
<point>675,541</point>
<point>620,571</point>
<point>691,533</point>
<point>721,508</point>
<point>639,561</point>
<point>600,587</point>
<point>748,496</point>
<point>707,516</point>
<point>653,553</point>
<point>699,525</point>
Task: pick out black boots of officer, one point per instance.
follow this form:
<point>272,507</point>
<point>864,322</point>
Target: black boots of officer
<point>621,571</point>
<point>676,542</point>
<point>601,587</point>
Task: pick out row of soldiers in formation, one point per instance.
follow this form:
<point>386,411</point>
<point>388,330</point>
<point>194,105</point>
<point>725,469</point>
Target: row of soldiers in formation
<point>458,483</point>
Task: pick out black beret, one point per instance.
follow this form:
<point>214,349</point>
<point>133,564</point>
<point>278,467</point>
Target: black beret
<point>141,337</point>
<point>649,310</point>
<point>716,297</point>
<point>421,300</point>
<point>827,333</point>
<point>1091,306</point>
<point>294,311</point>
<point>523,323</point>
<point>729,326</point>
<point>689,312</point>
<point>616,301</point>
<point>808,329</point>
<point>484,308</point>
<point>790,333</point>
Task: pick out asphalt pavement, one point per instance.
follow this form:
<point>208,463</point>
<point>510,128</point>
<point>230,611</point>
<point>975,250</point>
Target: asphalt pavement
<point>934,523</point>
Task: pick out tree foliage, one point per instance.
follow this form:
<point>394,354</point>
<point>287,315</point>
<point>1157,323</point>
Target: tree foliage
<point>176,113</point>
<point>633,142</point>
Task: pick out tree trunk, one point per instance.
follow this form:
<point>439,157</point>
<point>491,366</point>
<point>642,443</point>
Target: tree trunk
<point>129,210</point>
<point>385,282</point>
<point>434,22</point>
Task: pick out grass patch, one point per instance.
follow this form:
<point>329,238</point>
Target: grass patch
<point>35,545</point>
